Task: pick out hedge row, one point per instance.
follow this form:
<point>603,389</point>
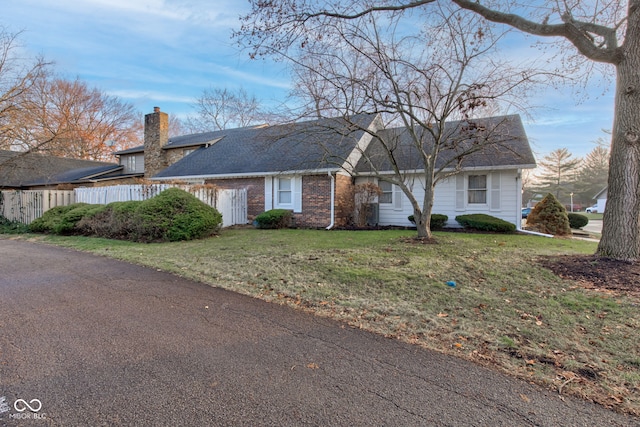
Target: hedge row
<point>485,222</point>
<point>172,215</point>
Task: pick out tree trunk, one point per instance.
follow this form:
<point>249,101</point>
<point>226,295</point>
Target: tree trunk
<point>621,224</point>
<point>423,225</point>
<point>423,216</point>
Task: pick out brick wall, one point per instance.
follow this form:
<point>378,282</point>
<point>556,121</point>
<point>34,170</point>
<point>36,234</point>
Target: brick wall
<point>316,201</point>
<point>316,198</point>
<point>255,192</point>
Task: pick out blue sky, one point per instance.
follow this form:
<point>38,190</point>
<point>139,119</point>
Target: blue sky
<point>166,52</point>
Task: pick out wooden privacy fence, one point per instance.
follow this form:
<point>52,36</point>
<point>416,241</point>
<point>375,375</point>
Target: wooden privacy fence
<point>118,193</point>
<point>26,205</point>
<point>232,204</point>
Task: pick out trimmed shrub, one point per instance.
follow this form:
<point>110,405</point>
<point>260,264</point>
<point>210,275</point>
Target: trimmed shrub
<point>485,222</point>
<point>54,219</point>
<point>275,218</point>
<point>173,215</point>
<point>577,220</point>
<point>69,220</point>
<point>438,221</point>
<point>549,216</point>
<point>113,221</point>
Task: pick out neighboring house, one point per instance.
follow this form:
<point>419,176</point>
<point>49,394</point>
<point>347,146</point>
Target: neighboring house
<point>601,200</point>
<point>26,170</point>
<point>311,168</point>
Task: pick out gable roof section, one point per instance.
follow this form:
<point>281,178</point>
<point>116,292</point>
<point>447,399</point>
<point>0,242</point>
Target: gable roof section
<point>306,146</point>
<point>18,169</point>
<point>602,194</point>
<point>510,147</point>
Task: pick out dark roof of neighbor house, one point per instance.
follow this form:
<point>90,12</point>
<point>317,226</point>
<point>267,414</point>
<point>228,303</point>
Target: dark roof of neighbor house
<point>138,149</point>
<point>303,146</point>
<point>19,169</point>
<point>493,142</point>
<point>192,140</point>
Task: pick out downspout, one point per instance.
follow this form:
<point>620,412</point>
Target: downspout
<point>518,200</point>
<point>333,201</point>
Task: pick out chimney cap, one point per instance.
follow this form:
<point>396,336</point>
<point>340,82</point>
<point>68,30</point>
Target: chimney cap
<point>156,109</point>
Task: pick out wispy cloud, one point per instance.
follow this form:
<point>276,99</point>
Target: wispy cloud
<point>167,52</point>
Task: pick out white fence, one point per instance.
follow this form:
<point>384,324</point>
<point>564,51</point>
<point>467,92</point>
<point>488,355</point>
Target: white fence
<point>118,193</point>
<point>25,206</point>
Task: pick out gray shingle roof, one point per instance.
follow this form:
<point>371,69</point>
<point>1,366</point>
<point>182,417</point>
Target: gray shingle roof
<point>509,148</point>
<point>30,169</point>
<point>192,140</point>
<point>301,146</point>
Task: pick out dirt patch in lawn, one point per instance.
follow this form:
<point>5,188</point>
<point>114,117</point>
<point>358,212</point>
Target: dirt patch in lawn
<point>597,273</point>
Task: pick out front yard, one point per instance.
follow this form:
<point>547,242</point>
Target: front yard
<point>483,297</point>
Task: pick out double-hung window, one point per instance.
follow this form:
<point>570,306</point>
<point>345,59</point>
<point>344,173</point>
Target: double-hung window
<point>284,191</point>
<point>131,164</point>
<point>477,189</point>
<point>387,192</point>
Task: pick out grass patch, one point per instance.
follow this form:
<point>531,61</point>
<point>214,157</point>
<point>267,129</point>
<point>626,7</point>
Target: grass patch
<point>505,310</point>
<point>592,215</point>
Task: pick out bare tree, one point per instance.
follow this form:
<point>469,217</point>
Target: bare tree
<point>69,119</point>
<point>432,83</point>
<point>602,32</point>
<point>17,79</point>
<point>218,109</point>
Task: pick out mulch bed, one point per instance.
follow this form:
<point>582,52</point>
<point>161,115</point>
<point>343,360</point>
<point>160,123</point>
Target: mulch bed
<point>594,272</point>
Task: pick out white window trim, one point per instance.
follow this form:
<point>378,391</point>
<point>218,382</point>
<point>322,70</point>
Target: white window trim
<point>390,191</point>
<point>277,193</point>
<point>486,190</point>
<point>271,193</point>
<point>396,196</point>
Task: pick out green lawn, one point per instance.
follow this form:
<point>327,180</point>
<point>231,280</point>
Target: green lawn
<point>505,311</point>
<point>592,215</point>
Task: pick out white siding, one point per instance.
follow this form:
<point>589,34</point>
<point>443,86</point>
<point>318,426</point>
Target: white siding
<point>502,184</point>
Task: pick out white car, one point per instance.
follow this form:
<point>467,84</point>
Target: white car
<point>592,209</point>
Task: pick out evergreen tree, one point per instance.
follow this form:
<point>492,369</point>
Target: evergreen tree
<point>559,174</point>
<point>593,175</point>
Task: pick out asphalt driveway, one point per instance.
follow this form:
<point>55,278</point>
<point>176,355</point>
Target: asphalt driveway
<point>86,340</point>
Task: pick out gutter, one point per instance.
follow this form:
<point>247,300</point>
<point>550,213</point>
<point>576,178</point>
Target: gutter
<point>245,175</point>
<point>333,202</point>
